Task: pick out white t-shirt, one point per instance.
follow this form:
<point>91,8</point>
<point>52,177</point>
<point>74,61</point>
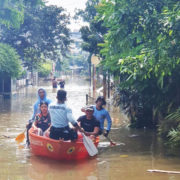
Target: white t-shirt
<point>61,115</point>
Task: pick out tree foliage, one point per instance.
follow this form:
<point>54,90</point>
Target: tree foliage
<point>12,11</point>
<point>142,47</point>
<point>45,69</point>
<point>142,34</point>
<point>44,31</point>
<point>92,34</point>
<point>31,59</point>
<point>9,61</point>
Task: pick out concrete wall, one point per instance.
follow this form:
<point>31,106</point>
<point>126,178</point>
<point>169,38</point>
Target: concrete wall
<point>9,86</point>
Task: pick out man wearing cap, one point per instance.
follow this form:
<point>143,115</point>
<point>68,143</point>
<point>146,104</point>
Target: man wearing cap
<point>89,123</point>
<point>101,114</point>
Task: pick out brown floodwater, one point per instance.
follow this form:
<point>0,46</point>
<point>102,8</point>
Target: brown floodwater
<point>136,150</point>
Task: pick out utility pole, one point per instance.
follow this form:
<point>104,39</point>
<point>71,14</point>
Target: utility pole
<point>94,81</point>
<point>94,61</point>
<point>104,85</point>
<point>109,89</point>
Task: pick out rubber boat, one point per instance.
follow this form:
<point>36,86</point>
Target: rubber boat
<point>58,149</point>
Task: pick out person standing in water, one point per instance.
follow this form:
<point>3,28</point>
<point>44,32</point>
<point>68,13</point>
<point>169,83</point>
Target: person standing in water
<point>62,83</point>
<point>54,82</point>
<point>101,114</point>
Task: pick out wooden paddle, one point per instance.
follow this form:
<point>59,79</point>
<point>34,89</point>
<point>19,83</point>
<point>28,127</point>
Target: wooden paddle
<point>111,142</point>
<point>89,145</point>
<point>20,137</point>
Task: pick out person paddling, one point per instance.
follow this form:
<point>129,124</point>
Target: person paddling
<point>89,123</point>
<point>101,114</point>
<point>42,97</point>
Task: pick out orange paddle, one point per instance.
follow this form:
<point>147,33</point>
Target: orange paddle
<point>20,137</point>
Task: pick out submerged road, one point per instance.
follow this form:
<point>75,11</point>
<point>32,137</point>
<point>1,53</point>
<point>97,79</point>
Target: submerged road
<point>136,150</point>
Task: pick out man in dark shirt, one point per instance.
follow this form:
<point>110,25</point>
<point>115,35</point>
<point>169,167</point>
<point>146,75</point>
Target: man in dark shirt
<point>89,123</point>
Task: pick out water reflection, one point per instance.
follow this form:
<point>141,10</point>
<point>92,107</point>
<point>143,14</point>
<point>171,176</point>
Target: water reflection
<point>43,169</point>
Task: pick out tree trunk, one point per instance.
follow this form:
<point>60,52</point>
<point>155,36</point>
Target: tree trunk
<point>108,85</point>
<point>104,85</point>
<point>94,81</point>
<point>89,61</point>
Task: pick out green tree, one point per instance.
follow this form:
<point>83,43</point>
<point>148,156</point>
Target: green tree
<point>44,29</point>
<point>92,35</point>
<point>10,63</point>
<point>142,47</point>
<point>45,69</point>
<point>12,11</point>
<point>32,59</point>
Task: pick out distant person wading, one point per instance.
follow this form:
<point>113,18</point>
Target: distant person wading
<point>54,82</point>
<point>61,84</point>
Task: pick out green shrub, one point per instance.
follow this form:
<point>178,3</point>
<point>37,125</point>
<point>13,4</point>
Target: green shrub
<point>9,61</point>
<point>45,69</point>
<point>170,128</point>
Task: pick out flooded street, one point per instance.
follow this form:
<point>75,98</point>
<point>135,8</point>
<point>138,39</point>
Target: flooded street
<point>136,150</point>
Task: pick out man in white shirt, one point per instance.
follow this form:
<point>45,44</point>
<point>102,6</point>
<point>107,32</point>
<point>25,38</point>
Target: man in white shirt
<point>61,115</point>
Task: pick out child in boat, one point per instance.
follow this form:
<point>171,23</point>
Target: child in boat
<point>42,120</point>
<point>61,115</point>
<point>89,123</point>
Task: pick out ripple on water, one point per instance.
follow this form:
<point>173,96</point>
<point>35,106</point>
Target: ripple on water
<point>108,144</point>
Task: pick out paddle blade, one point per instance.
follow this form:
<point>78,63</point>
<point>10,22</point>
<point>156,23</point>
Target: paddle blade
<point>111,142</point>
<point>89,145</point>
<point>20,137</point>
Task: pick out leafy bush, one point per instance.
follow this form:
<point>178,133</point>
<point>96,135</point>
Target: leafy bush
<point>170,128</point>
<point>22,74</point>
<point>174,137</point>
<point>9,61</point>
<point>141,48</point>
<point>45,69</point>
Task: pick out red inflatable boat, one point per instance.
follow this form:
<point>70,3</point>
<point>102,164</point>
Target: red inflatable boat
<point>58,149</point>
